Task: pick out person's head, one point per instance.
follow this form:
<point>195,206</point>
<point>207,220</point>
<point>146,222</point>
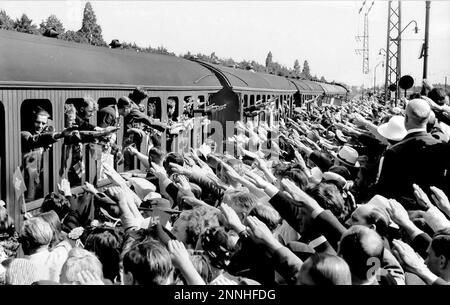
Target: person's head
<point>124,106</point>
<point>417,114</point>
<point>35,234</point>
<point>147,263</point>
<point>87,108</point>
<point>56,202</point>
<point>191,223</point>
<point>55,223</point>
<point>6,222</point>
<point>241,201</point>
<point>138,95</point>
<point>218,245</point>
<point>438,96</point>
<point>171,104</point>
<point>79,260</point>
<point>21,271</point>
<point>438,260</point>
<point>40,119</point>
<point>70,114</point>
<point>362,248</point>
<point>172,158</point>
<point>329,197</point>
<point>202,264</point>
<point>267,214</point>
<point>324,269</point>
<point>295,174</point>
<point>106,243</point>
<point>156,155</point>
<point>370,216</point>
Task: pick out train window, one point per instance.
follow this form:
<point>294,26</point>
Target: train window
<point>36,121</point>
<point>154,107</point>
<point>172,108</point>
<point>2,153</point>
<point>74,165</point>
<point>107,114</point>
<point>252,100</point>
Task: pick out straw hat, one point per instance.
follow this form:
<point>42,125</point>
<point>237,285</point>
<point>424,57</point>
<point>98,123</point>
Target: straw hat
<point>394,129</point>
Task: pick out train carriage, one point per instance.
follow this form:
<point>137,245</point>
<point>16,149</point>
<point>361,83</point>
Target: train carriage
<point>36,70</point>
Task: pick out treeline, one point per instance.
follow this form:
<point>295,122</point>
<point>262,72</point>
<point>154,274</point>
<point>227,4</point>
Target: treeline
<point>91,33</point>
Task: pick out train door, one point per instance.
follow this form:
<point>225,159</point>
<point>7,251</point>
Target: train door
<point>36,118</point>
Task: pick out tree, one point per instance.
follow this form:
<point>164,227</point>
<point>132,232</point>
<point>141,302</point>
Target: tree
<point>296,68</point>
<point>25,25</point>
<point>6,22</point>
<point>269,60</point>
<point>74,36</point>
<point>90,29</point>
<point>51,23</point>
<point>322,79</point>
<point>306,71</point>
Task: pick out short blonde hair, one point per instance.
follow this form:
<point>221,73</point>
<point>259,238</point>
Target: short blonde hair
<point>34,234</point>
<point>80,260</point>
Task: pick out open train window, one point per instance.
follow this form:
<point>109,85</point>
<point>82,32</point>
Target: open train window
<point>154,107</point>
<point>2,153</point>
<point>173,108</point>
<point>107,114</point>
<point>36,146</point>
<point>73,160</point>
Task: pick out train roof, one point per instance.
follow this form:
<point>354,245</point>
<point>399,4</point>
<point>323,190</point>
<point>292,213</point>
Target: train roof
<point>307,86</point>
<point>251,81</point>
<point>33,60</point>
<point>332,88</point>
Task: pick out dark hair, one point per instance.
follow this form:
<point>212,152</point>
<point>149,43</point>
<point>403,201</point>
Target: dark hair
<point>55,223</point>
<point>414,95</point>
<point>38,110</point>
<point>56,202</point>
<point>217,245</point>
<point>437,95</point>
<point>292,172</point>
<point>358,246</point>
<point>268,215</point>
<point>155,154</point>
<point>149,262</point>
<point>341,170</point>
<point>441,243</point>
<point>327,269</point>
<point>329,197</point>
<point>124,102</point>
<point>105,243</point>
<point>172,158</point>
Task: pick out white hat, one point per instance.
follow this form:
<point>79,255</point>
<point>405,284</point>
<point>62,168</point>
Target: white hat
<point>349,156</point>
<point>394,129</point>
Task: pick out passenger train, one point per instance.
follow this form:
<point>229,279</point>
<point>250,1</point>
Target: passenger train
<point>36,70</point>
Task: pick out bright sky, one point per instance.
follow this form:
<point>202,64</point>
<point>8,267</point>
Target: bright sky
<point>322,32</point>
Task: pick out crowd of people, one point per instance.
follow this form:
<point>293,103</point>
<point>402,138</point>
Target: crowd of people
<point>355,194</point>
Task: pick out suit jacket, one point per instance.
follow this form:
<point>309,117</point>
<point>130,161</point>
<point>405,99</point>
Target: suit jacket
<point>418,158</point>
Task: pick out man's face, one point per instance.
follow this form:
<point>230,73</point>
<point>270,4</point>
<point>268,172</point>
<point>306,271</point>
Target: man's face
<point>359,216</point>
<point>170,110</point>
<point>87,112</point>
<point>40,123</point>
<point>70,120</point>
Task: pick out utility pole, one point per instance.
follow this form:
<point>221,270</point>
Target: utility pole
<point>393,48</point>
<point>425,45</point>
<point>365,37</point>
